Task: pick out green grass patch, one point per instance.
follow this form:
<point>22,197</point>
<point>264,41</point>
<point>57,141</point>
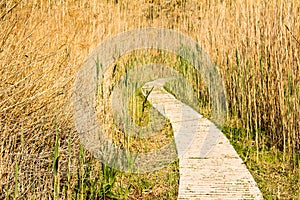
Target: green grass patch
<point>277,177</point>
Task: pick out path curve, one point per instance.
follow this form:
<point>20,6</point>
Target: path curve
<point>209,166</point>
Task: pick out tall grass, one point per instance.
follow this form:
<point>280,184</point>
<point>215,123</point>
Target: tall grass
<point>43,44</point>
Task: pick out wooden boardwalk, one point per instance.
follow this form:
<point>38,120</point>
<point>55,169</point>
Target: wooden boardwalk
<point>209,166</point>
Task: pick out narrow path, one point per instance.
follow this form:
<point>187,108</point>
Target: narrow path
<point>209,166</point>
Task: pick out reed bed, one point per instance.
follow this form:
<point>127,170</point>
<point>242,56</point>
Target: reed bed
<point>43,44</point>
